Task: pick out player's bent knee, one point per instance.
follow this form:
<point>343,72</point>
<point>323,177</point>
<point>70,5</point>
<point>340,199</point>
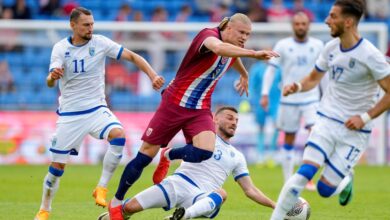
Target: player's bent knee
<point>222,193</point>
<point>116,133</point>
<point>325,190</point>
<point>217,198</point>
<point>307,170</point>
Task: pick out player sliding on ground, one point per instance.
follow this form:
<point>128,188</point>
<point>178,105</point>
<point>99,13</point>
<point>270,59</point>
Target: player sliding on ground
<point>197,187</point>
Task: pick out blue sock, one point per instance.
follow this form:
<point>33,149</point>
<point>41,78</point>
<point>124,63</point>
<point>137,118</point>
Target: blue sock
<point>190,153</point>
<point>131,174</point>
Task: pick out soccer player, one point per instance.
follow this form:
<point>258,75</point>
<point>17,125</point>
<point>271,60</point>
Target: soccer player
<point>298,56</point>
<point>78,63</point>
<point>197,187</point>
<point>186,101</point>
<point>340,135</point>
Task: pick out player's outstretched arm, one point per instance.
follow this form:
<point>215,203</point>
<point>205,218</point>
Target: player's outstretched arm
<point>307,83</point>
<point>358,121</point>
<point>254,193</point>
<point>157,80</point>
<point>229,50</point>
<point>242,86</point>
<point>53,76</point>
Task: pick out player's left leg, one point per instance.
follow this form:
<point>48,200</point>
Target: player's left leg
<point>107,126</point>
<point>199,132</point>
<point>206,206</point>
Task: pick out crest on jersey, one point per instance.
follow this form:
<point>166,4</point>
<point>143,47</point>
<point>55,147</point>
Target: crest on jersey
<point>92,51</point>
<point>352,63</point>
<point>149,131</point>
<point>67,54</point>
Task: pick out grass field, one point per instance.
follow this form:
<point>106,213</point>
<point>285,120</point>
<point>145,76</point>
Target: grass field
<point>21,187</point>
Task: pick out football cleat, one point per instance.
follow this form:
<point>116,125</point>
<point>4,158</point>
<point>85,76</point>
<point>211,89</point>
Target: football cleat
<point>42,215</point>
<point>345,196</point>
<point>100,194</point>
<point>178,214</point>
<point>163,166</point>
<point>115,213</point>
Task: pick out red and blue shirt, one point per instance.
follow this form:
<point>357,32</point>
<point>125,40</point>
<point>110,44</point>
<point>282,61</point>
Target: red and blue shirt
<point>198,73</point>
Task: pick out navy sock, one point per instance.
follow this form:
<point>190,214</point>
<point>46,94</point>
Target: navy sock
<point>190,153</point>
<point>131,174</point>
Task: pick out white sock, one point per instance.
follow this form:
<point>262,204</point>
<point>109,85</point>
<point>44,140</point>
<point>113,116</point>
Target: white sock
<point>50,186</point>
<point>110,162</point>
<point>289,196</point>
<point>115,202</point>
<point>200,208</point>
<point>288,164</point>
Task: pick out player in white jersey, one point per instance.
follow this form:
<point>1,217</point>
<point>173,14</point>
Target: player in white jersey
<point>78,63</point>
<point>298,56</point>
<point>340,135</point>
<point>197,186</point>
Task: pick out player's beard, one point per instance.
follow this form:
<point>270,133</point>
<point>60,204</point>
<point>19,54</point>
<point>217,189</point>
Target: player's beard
<point>338,31</point>
<point>301,35</point>
<point>226,132</point>
<point>87,37</point>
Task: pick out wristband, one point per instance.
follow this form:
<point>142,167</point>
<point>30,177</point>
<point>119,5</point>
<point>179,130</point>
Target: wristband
<point>299,85</point>
<point>365,117</point>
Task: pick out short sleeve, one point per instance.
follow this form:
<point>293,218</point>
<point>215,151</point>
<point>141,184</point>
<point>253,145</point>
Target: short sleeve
<point>241,168</point>
<point>198,41</point>
<point>113,49</point>
<point>57,57</point>
<point>278,48</point>
<point>322,61</point>
<point>378,65</point>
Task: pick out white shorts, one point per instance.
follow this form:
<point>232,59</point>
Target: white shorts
<point>173,191</point>
<point>336,146</point>
<point>289,116</point>
<point>71,130</point>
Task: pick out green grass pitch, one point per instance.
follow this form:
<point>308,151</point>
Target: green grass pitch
<point>21,188</point>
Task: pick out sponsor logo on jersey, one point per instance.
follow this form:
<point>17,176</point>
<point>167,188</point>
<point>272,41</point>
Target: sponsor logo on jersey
<point>92,51</point>
<point>149,131</point>
<point>67,54</point>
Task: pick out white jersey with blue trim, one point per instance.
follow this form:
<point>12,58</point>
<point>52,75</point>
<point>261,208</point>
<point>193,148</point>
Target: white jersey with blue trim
<point>82,86</point>
<point>353,76</point>
<point>296,60</point>
<point>210,174</point>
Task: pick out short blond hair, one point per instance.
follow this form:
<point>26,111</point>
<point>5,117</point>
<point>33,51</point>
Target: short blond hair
<point>236,17</point>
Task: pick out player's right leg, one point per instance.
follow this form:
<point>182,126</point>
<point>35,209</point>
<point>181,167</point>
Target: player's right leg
<point>51,184</point>
<point>66,141</point>
<point>319,146</point>
<point>130,175</point>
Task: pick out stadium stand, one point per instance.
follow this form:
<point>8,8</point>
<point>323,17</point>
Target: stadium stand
<point>28,64</point>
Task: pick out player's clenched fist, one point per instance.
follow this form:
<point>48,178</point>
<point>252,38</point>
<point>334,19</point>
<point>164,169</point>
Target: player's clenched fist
<point>157,82</point>
<point>57,73</point>
<point>290,89</point>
